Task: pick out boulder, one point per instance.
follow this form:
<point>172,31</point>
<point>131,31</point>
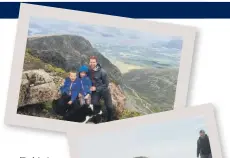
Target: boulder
<point>37,86</point>
<point>118,97</point>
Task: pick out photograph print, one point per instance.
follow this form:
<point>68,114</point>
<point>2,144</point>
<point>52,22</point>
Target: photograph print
<point>174,138</point>
<point>94,73</point>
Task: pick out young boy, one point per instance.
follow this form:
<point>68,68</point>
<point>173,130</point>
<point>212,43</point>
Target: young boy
<point>69,94</point>
<point>84,83</point>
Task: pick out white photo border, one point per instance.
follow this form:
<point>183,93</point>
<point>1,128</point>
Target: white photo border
<point>27,11</point>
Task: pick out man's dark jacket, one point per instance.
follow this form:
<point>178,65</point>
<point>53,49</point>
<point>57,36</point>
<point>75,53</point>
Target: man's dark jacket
<point>99,78</point>
<point>203,146</point>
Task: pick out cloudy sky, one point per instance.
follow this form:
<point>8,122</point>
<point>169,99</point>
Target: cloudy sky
<point>97,33</point>
<point>174,139</point>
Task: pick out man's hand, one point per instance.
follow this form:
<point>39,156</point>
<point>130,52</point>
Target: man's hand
<point>79,95</point>
<point>70,102</point>
<point>93,88</point>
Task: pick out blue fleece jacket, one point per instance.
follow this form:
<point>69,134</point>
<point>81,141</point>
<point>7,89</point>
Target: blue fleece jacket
<point>84,85</point>
<point>67,88</point>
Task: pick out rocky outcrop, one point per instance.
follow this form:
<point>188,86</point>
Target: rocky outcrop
<point>37,86</point>
<point>69,52</point>
<point>118,97</point>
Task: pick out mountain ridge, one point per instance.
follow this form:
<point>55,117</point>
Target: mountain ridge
<point>69,52</point>
<point>150,90</point>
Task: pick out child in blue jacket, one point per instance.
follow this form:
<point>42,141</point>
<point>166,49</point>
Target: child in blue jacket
<point>69,94</point>
<point>70,89</point>
<point>84,83</point>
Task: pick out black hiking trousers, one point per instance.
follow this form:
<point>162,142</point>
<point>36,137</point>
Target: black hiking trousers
<point>63,108</point>
<point>206,156</point>
<point>61,105</point>
<point>105,94</point>
<point>72,109</point>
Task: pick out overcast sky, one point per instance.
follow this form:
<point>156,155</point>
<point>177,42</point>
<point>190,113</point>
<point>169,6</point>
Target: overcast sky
<point>174,139</point>
<point>39,25</point>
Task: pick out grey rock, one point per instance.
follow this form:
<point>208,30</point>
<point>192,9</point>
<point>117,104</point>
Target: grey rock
<point>37,86</point>
<point>57,79</point>
<point>41,93</point>
<point>118,97</point>
<point>37,77</point>
<point>23,91</point>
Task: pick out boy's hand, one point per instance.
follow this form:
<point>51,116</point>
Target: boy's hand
<point>79,95</point>
<point>93,88</point>
<point>62,82</point>
<point>70,102</point>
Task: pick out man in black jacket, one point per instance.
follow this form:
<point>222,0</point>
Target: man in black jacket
<point>100,86</point>
<point>203,146</point>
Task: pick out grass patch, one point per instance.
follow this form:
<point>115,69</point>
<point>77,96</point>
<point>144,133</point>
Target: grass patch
<point>31,62</point>
<point>58,71</point>
<point>128,114</point>
<point>156,109</point>
<point>47,106</point>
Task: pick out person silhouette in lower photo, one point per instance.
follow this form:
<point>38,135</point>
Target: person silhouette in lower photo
<point>203,146</point>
